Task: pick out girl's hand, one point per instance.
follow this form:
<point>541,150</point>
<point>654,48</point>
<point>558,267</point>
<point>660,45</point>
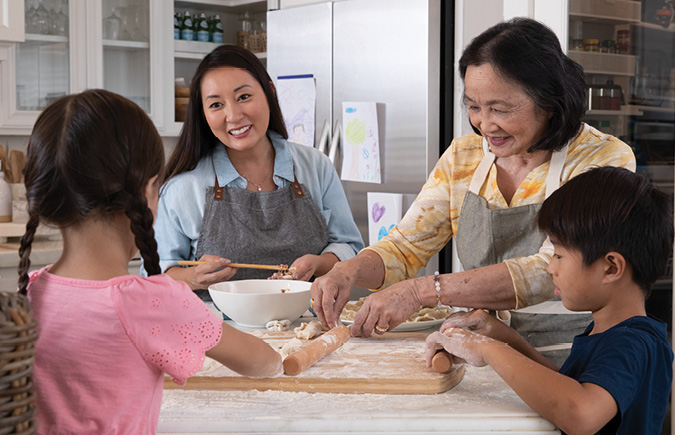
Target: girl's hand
<point>203,275</point>
<point>464,346</point>
<point>386,309</point>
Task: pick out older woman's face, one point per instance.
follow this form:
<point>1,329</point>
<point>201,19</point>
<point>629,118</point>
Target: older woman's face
<point>504,114</point>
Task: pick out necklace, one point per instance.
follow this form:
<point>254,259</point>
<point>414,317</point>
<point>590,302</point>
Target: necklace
<point>258,186</point>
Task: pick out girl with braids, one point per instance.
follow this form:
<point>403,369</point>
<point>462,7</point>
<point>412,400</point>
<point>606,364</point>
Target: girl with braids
<point>94,166</point>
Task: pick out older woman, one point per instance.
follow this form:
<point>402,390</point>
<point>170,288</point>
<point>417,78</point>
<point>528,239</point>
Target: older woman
<point>525,100</point>
<point>238,190</point>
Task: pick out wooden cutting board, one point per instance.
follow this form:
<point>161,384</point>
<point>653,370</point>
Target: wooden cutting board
<point>389,364</point>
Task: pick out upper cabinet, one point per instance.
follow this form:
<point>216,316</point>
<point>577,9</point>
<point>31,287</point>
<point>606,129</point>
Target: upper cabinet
<point>125,46</point>
<point>243,22</point>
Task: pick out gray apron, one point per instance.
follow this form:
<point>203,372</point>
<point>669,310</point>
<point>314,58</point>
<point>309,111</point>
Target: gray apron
<point>273,227</point>
<point>486,237</point>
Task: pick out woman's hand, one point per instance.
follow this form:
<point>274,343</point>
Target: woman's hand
<point>203,275</point>
<point>330,292</point>
<point>464,346</point>
<point>386,309</point>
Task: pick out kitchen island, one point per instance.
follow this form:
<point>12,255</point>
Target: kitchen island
<point>482,402</point>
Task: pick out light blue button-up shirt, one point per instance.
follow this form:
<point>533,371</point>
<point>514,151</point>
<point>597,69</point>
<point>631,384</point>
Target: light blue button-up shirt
<point>182,199</point>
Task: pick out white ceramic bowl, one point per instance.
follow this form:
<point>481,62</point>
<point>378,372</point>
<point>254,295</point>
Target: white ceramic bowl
<point>254,302</point>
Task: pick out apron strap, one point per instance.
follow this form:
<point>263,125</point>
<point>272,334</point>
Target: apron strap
<point>217,191</point>
<point>555,170</point>
<point>295,185</point>
<point>481,172</point>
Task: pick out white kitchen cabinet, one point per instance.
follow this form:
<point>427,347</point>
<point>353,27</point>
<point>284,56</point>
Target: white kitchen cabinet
<point>186,55</point>
<point>125,46</point>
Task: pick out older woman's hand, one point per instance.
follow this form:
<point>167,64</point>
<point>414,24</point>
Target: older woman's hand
<point>330,293</point>
<point>464,346</point>
<point>386,309</point>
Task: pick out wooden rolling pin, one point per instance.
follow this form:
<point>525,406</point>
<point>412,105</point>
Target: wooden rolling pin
<point>442,362</point>
<point>299,361</point>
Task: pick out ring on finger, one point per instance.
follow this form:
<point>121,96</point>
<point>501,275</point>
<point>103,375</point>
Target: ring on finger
<point>311,303</point>
<point>378,329</point>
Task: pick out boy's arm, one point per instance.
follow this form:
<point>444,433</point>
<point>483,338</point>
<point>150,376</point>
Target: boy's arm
<point>573,407</point>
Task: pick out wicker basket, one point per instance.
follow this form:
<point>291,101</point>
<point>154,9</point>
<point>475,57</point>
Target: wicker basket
<point>18,332</point>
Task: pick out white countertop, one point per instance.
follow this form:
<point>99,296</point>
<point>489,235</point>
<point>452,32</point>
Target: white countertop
<point>482,402</point>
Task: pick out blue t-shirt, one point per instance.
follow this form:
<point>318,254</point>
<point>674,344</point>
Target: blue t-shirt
<point>633,361</point>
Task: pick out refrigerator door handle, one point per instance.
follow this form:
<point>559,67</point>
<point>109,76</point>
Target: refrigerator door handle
<point>324,136</point>
<point>335,142</point>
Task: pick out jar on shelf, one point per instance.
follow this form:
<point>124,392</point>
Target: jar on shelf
<point>593,96</point>
<point>592,45</point>
<point>244,33</point>
<point>615,95</point>
<point>577,44</point>
<point>623,41</point>
<point>604,97</point>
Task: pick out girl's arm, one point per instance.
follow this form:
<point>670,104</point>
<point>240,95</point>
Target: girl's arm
<point>246,354</point>
<point>573,407</point>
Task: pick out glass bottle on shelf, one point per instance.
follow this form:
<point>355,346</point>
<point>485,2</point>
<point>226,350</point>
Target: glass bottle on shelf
<point>217,30</point>
<point>244,31</point>
<point>112,26</point>
<point>177,23</point>
<point>202,28</point>
<point>186,31</point>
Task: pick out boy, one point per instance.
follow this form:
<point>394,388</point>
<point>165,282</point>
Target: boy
<point>612,231</point>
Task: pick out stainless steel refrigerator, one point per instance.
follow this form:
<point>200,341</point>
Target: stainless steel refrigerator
<point>383,51</point>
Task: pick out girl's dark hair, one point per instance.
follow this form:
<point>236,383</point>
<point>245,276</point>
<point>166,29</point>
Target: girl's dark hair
<point>90,155</point>
<point>612,209</point>
<point>528,53</point>
<point>196,138</point>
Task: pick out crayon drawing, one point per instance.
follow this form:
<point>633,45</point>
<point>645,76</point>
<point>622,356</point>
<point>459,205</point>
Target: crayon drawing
<point>297,99</point>
<point>384,213</point>
<point>361,147</point>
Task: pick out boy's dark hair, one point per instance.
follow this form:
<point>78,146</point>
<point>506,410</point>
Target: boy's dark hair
<point>89,155</point>
<point>528,53</point>
<point>196,139</point>
<point>613,209</point>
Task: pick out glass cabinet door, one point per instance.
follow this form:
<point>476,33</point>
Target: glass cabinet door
<point>126,49</point>
<point>627,49</point>
<point>42,61</point>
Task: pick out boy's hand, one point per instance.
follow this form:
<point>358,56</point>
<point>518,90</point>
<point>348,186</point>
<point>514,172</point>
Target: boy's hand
<point>480,322</point>
<point>464,346</point>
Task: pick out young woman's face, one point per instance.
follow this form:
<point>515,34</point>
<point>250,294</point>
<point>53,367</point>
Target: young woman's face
<point>235,107</point>
<point>505,115</point>
<point>579,287</point>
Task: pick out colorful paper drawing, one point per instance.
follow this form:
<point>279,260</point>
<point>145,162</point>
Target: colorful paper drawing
<point>297,99</point>
<point>384,213</point>
<point>360,143</point>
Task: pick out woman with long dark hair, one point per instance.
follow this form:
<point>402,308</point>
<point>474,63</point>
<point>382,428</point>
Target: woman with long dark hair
<point>238,190</point>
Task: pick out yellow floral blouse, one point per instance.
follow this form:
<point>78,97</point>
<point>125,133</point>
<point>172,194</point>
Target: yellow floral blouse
<point>432,219</point>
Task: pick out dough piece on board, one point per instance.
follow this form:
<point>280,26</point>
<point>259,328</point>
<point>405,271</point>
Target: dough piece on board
<point>425,313</point>
<point>309,330</point>
<point>289,347</point>
<point>278,325</point>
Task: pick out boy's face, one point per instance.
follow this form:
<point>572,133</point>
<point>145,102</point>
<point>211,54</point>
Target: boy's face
<point>579,287</point>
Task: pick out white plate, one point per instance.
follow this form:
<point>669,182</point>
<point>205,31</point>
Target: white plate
<point>409,326</point>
